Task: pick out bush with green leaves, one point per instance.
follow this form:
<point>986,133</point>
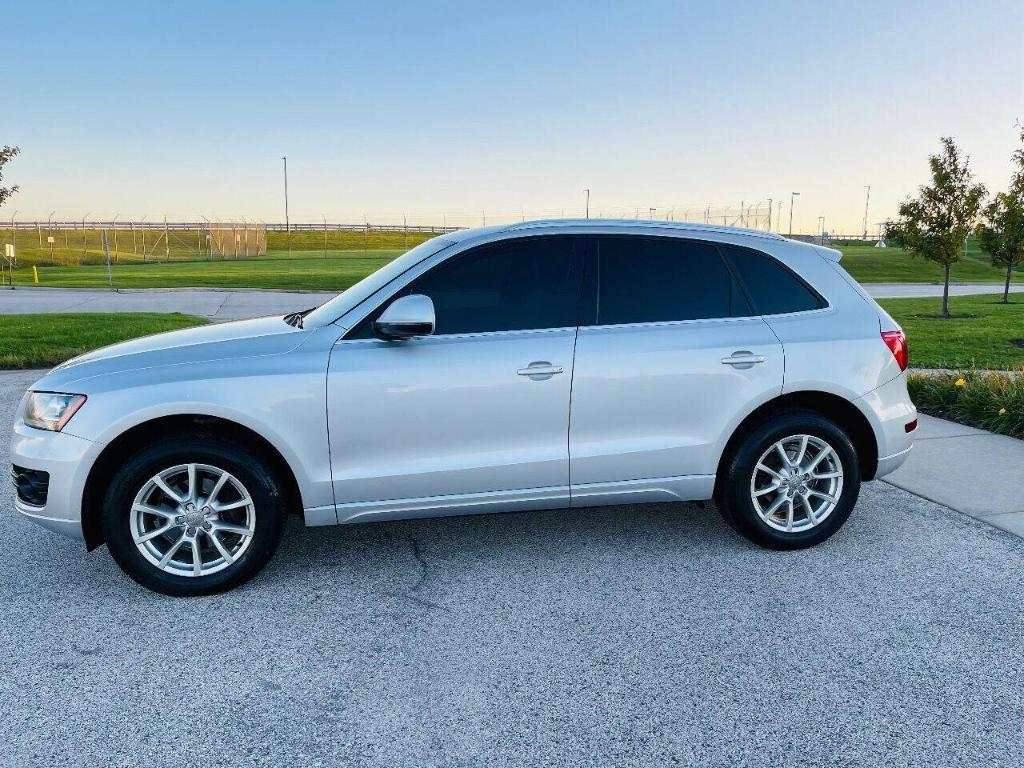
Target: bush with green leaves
<point>984,399</point>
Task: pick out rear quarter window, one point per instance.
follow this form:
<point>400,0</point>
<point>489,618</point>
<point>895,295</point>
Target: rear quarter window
<point>774,288</point>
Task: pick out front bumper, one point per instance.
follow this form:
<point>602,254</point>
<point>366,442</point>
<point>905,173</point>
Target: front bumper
<point>66,459</point>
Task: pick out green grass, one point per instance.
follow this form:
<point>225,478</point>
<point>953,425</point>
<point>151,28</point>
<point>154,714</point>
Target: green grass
<point>42,341</point>
<point>983,332</point>
<point>78,247</point>
<point>300,272</point>
<point>981,399</point>
<point>894,265</point>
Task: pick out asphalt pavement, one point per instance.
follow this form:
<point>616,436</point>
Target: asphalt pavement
<point>238,304</point>
<point>625,636</point>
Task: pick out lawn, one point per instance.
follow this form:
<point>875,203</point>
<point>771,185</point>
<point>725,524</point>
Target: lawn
<point>42,341</point>
<point>983,332</point>
<point>894,265</point>
<point>349,256</point>
<point>301,271</point>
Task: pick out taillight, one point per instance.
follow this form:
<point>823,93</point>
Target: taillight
<point>897,344</point>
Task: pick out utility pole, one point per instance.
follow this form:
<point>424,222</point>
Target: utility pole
<point>287,224</point>
<point>867,200</point>
<point>587,208</point>
<point>791,196</point>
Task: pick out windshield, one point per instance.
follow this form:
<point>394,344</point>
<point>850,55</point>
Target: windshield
<point>350,297</point>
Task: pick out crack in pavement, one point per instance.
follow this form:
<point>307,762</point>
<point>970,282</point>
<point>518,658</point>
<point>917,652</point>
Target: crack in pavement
<point>417,553</point>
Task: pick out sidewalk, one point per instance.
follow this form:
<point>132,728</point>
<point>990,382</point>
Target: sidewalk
<point>975,472</point>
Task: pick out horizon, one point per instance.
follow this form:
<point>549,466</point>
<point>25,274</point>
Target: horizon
<point>454,113</point>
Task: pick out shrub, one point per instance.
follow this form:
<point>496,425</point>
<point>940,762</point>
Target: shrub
<point>985,399</point>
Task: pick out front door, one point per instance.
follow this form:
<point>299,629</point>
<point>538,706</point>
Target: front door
<point>476,416</point>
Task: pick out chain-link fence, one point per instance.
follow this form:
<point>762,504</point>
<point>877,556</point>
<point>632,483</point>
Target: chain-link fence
<point>72,252</point>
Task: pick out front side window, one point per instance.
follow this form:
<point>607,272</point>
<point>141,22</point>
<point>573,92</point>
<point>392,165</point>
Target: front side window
<point>525,284</point>
<point>651,279</point>
<point>772,287</point>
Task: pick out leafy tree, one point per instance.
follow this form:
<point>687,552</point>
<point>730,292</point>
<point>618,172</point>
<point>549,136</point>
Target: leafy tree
<point>1002,234</point>
<point>936,223</point>
<point>6,155</point>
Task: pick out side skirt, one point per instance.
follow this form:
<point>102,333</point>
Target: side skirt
<point>659,489</point>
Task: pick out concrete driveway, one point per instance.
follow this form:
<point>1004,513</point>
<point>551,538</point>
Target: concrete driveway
<point>221,305</point>
<point>632,636</point>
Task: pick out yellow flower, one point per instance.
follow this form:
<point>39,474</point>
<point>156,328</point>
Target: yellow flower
<point>1002,411</point>
<point>959,383</point>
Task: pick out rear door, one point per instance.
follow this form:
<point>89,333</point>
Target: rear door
<point>668,355</point>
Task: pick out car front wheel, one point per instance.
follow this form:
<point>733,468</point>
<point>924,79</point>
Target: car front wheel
<point>791,482</point>
<point>193,515</point>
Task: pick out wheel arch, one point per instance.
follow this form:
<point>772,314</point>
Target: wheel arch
<point>140,434</point>
<point>840,410</point>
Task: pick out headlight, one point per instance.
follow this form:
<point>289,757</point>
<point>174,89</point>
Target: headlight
<point>51,410</point>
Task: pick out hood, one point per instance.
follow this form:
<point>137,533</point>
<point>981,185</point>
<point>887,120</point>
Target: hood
<point>205,343</point>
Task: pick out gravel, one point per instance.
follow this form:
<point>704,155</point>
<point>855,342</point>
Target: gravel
<point>632,636</point>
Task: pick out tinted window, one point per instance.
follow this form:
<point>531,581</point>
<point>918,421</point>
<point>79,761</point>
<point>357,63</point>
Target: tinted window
<point>773,288</point>
<point>646,280</point>
<point>525,284</point>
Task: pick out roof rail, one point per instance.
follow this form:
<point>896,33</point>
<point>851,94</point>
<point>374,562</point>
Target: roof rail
<point>641,224</point>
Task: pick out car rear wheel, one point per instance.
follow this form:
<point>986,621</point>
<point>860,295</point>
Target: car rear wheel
<point>791,482</point>
<point>193,515</point>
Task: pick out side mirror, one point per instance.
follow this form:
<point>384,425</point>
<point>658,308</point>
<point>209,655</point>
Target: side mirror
<point>406,318</point>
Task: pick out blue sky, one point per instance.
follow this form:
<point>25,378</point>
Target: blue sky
<point>185,109</point>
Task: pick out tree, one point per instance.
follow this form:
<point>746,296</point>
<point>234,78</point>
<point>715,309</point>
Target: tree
<point>936,223</point>
<point>6,155</point>
<point>1002,234</point>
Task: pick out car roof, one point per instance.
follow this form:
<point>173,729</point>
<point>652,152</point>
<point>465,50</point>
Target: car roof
<point>634,226</point>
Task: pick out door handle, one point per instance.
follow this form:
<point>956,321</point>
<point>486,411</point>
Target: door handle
<point>743,359</point>
<point>540,370</point>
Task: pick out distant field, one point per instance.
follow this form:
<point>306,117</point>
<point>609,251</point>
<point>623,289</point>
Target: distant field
<point>349,257</point>
<point>299,272</point>
<point>77,247</point>
<point>893,265</point>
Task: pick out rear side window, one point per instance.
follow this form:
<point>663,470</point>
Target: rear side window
<point>773,288</point>
<point>525,284</point>
<point>650,279</point>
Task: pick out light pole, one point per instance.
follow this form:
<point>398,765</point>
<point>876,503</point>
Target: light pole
<point>587,208</point>
<point>652,210</point>
<point>791,196</point>
<point>867,200</point>
<point>287,224</point>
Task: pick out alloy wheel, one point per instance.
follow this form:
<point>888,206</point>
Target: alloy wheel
<point>192,520</point>
<point>797,483</point>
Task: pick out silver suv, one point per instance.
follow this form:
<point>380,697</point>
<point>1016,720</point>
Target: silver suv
<point>542,365</point>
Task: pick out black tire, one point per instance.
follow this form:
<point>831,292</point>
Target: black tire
<point>250,467</point>
<point>734,487</point>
